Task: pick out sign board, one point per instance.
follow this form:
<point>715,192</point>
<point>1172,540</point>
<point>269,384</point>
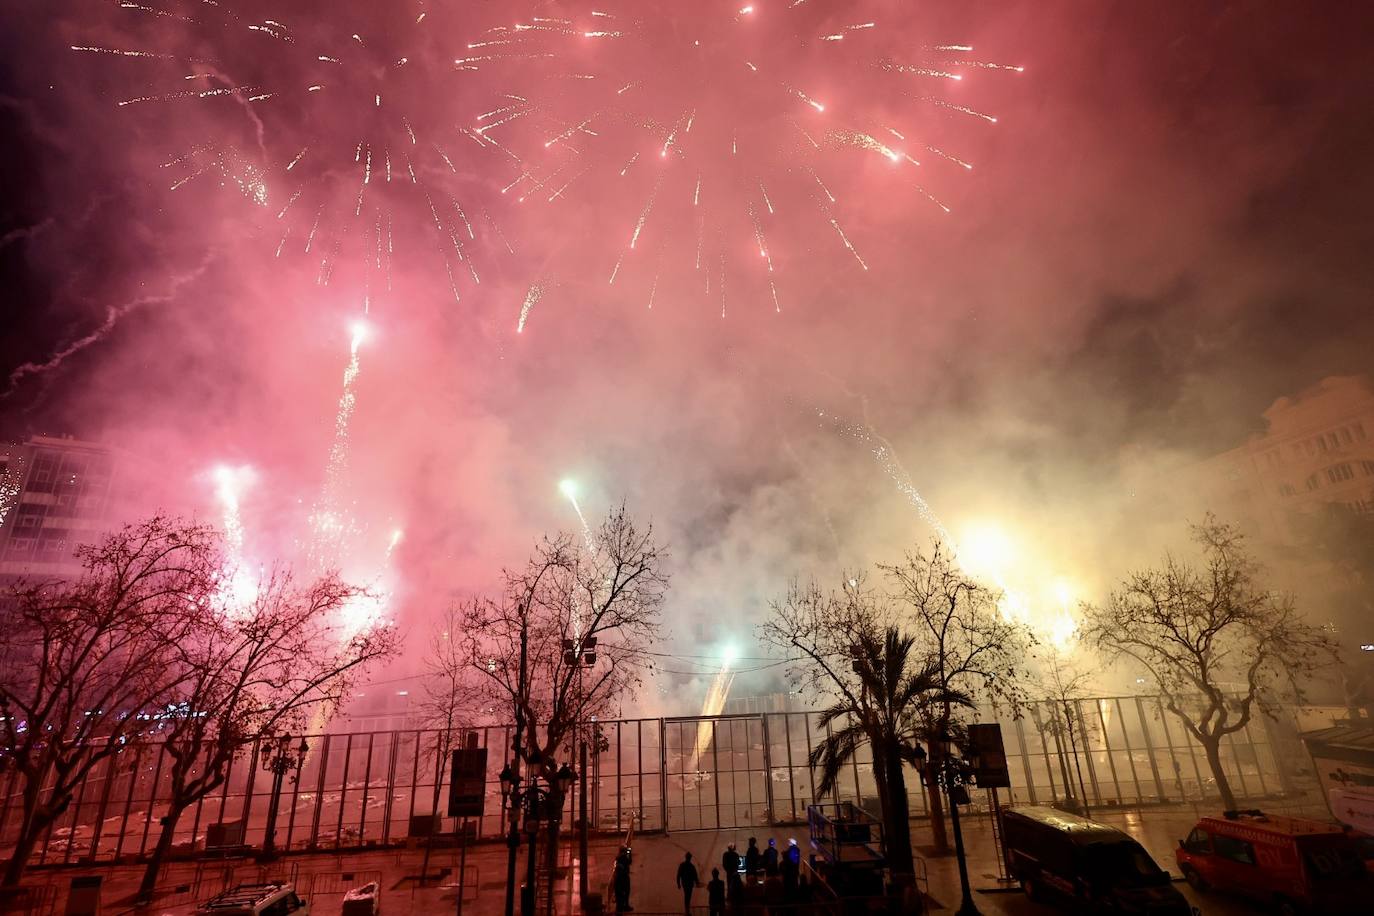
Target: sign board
<point>987,757</point>
<point>467,791</point>
<point>84,897</point>
<point>1343,757</point>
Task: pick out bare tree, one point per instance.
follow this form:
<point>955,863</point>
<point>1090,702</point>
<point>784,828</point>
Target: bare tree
<point>612,593</point>
<point>962,636</point>
<point>83,660</point>
<point>848,647</point>
<point>1216,643</point>
<point>258,672</point>
<point>1055,714</point>
<point>449,698</point>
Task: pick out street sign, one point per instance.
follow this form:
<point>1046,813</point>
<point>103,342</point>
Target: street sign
<point>988,757</point>
<point>467,791</point>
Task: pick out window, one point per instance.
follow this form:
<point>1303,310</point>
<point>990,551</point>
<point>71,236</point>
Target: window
<point>1339,472</point>
<point>1199,841</point>
<point>1368,468</point>
<point>1287,489</point>
<point>1313,482</point>
<point>1359,431</point>
<point>1345,435</point>
<point>1321,444</point>
<point>1234,849</point>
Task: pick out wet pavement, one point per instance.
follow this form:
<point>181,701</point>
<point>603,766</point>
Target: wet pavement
<point>323,878</point>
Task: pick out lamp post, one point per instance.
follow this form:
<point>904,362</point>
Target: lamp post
<point>532,801</point>
<point>948,775</point>
<point>581,655</point>
<point>278,759</point>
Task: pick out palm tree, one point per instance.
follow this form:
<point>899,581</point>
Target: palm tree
<point>884,715</point>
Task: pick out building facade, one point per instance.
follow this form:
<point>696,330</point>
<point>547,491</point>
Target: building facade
<point>55,494</point>
<point>1317,449</point>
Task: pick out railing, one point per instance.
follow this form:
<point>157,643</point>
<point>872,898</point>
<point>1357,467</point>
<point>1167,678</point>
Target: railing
<point>363,790</point>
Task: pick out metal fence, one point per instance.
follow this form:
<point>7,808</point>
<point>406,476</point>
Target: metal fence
<point>733,771</point>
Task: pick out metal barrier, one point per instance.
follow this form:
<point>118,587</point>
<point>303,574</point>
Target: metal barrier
<point>33,899</point>
<point>339,882</point>
<point>364,790</point>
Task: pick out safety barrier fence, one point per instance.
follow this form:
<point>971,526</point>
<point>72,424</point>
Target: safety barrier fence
<point>371,789</point>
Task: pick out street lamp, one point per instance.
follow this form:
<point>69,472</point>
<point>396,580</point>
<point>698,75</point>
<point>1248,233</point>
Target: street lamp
<point>581,654</point>
<point>533,801</point>
<point>948,775</point>
<point>278,759</point>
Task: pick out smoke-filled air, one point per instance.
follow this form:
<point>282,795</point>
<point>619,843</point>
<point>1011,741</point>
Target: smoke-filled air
<point>776,299</point>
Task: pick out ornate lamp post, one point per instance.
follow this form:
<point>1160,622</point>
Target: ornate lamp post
<point>581,655</point>
<point>949,775</point>
<point>279,758</point>
<point>533,801</point>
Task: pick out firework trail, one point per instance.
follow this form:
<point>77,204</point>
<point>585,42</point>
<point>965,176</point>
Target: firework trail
<point>981,554</point>
<point>113,315</point>
<point>532,298</point>
<point>716,695</point>
<point>230,485</point>
<point>11,485</point>
<point>240,589</point>
<point>886,456</point>
<point>711,112</point>
<point>331,522</point>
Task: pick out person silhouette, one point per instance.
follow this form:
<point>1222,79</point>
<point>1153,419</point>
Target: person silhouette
<point>715,893</point>
<point>770,857</point>
<point>687,879</point>
<point>791,867</point>
<point>622,881</point>
<point>752,859</point>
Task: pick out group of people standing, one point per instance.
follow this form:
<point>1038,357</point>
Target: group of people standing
<point>778,872</point>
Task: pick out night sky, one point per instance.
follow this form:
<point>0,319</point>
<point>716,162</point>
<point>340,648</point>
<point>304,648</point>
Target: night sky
<point>1167,228</point>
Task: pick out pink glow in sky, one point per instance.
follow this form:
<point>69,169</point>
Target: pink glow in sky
<point>1037,285</point>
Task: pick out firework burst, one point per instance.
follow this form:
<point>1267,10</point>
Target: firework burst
<point>717,131</point>
<point>342,122</point>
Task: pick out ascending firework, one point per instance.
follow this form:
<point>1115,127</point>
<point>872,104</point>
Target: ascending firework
<point>983,550</point>
<point>568,488</point>
<point>713,704</point>
<point>331,522</point>
<point>241,587</point>
<point>716,121</point>
<point>230,484</point>
<point>887,459</point>
<point>342,125</point>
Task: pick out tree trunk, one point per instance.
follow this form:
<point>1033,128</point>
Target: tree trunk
<point>939,834</point>
<point>30,827</point>
<point>1212,746</point>
<point>897,830</point>
<point>164,845</point>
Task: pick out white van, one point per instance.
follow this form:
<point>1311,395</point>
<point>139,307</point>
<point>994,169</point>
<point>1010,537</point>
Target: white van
<point>256,900</point>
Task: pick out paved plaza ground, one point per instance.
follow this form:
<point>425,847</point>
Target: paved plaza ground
<point>324,878</point>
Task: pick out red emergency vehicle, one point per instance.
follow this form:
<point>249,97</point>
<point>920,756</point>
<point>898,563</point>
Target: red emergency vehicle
<point>1295,865</point>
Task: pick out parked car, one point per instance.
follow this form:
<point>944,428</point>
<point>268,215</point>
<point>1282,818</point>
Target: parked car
<point>1091,865</point>
<point>1294,864</point>
<point>278,899</point>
